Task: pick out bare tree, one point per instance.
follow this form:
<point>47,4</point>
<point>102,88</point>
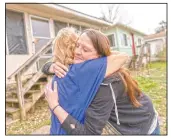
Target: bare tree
<point>161,27</point>
<point>112,13</point>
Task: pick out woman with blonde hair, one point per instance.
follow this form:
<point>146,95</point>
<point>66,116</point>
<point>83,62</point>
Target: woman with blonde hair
<point>116,100</point>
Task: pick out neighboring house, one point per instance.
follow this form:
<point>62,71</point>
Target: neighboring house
<point>157,42</point>
<point>124,38</point>
<point>30,26</point>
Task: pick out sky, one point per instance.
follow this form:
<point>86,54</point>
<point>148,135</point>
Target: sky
<point>143,17</point>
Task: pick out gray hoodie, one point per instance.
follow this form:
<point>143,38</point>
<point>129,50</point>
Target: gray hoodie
<point>111,105</point>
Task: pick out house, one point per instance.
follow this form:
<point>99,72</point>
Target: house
<point>30,26</point>
<point>124,38</point>
<point>30,23</point>
<point>157,42</point>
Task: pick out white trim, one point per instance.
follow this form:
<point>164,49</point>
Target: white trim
<point>146,40</point>
<point>33,45</point>
<point>7,50</point>
<point>54,15</point>
<point>42,37</point>
<point>14,10</point>
<point>127,27</point>
<point>38,17</point>
<point>46,56</point>
<point>52,28</point>
<point>66,10</point>
<point>27,34</point>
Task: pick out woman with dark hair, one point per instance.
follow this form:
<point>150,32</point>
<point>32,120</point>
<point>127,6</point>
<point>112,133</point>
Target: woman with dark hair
<point>83,78</point>
<point>118,102</point>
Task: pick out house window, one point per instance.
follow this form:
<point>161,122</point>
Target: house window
<point>124,40</point>
<point>40,27</point>
<point>15,32</point>
<point>139,41</point>
<point>111,39</point>
<point>58,26</point>
<point>41,33</point>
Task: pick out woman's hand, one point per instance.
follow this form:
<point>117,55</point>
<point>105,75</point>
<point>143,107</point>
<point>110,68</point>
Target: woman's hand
<point>52,99</point>
<point>59,69</point>
<point>51,96</point>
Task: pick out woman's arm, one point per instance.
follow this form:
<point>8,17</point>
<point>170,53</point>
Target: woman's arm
<point>45,68</point>
<point>97,114</point>
<point>115,62</point>
<point>51,68</point>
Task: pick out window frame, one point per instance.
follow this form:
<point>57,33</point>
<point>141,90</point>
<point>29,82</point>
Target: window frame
<point>125,42</point>
<point>140,41</point>
<point>113,40</point>
<point>40,37</point>
<point>25,33</point>
<point>54,21</point>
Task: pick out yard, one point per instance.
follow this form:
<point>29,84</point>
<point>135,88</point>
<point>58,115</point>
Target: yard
<point>153,84</point>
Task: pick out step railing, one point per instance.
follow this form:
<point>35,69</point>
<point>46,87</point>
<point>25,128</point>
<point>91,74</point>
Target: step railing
<point>21,91</point>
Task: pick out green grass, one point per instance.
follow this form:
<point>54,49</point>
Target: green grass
<point>154,85</point>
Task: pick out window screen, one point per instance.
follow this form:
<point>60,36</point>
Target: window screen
<point>58,26</point>
<point>40,43</point>
<point>40,27</point>
<point>125,40</point>
<point>111,39</point>
<point>139,41</point>
<point>15,33</point>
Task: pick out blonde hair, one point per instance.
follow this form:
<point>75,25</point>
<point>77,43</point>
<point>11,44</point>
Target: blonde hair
<point>64,45</point>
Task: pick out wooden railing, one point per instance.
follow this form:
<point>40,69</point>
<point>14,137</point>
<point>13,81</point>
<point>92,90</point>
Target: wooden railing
<point>22,90</point>
<point>142,54</point>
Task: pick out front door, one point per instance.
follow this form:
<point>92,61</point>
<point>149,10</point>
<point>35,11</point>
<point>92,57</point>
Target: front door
<point>40,36</point>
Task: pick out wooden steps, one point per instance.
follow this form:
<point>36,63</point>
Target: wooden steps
<point>29,92</point>
<point>22,96</point>
<point>12,100</point>
<point>15,100</point>
<point>11,110</point>
<point>14,112</point>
